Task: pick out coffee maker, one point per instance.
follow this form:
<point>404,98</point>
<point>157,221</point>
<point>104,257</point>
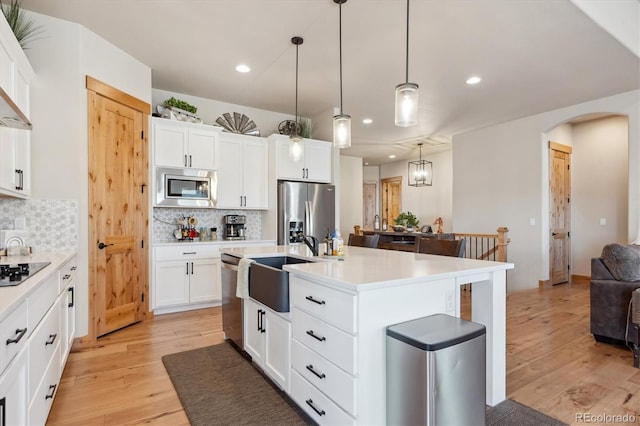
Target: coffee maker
<point>234,227</point>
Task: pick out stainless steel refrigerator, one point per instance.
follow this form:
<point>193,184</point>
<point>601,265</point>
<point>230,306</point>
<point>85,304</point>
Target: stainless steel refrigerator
<point>309,208</point>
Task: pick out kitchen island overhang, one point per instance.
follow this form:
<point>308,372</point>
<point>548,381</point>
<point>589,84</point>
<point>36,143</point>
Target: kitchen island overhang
<point>391,287</point>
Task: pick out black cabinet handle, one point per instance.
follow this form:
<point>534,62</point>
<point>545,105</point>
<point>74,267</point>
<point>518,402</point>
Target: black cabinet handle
<point>66,276</point>
<point>187,265</point>
<point>73,268</point>
<point>310,404</point>
<point>264,329</point>
<point>318,375</point>
<point>52,338</point>
<point>52,391</point>
<point>20,333</point>
<point>73,296</point>
<point>3,407</point>
<point>321,339</point>
<point>311,299</point>
<point>185,160</point>
<point>190,164</point>
<point>259,319</point>
<point>191,268</point>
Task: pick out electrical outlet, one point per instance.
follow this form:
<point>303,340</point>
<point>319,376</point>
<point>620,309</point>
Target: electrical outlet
<point>450,300</point>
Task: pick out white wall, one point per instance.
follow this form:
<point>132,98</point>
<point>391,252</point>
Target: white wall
<point>599,189</point>
<point>61,59</point>
<point>500,178</point>
<point>350,194</point>
<point>427,202</point>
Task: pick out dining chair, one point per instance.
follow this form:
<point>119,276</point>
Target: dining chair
<point>453,248</point>
<point>370,241</point>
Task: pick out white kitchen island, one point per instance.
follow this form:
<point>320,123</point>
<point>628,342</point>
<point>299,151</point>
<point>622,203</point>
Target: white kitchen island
<point>340,310</point>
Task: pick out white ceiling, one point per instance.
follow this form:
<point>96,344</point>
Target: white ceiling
<point>533,56</point>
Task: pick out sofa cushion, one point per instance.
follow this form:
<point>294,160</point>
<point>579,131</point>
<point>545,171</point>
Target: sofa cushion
<point>623,261</point>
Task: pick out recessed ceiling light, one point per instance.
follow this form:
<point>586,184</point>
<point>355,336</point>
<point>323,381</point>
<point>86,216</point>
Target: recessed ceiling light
<point>392,156</point>
<point>366,163</point>
<point>243,68</point>
<point>474,80</point>
<point>367,121</point>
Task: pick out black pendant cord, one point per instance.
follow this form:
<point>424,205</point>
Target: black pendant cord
<point>340,38</point>
<point>407,58</point>
<point>297,89</point>
<point>297,41</point>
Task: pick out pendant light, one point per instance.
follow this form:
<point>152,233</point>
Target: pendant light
<point>407,94</point>
<point>295,140</point>
<point>341,122</point>
<point>420,173</point>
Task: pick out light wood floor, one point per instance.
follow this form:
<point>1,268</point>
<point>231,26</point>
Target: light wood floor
<point>553,365</point>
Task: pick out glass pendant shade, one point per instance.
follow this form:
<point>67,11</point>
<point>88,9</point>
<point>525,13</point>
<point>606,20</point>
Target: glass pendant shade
<point>295,147</point>
<point>342,131</point>
<point>406,104</point>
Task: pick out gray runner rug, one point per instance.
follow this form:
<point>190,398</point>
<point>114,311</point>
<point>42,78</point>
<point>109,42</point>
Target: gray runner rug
<point>217,385</point>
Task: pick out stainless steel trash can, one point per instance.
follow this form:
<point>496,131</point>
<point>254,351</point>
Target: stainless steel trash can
<point>436,372</point>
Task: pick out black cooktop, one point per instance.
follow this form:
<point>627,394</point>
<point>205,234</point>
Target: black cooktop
<point>17,273</point>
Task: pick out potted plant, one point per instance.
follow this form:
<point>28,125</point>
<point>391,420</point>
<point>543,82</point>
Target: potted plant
<point>407,220</point>
<point>22,26</point>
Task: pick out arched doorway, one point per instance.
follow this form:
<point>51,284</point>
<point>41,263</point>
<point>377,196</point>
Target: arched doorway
<point>599,193</point>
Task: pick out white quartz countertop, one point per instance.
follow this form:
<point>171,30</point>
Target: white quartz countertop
<point>366,268</point>
<point>10,297</point>
<point>216,242</point>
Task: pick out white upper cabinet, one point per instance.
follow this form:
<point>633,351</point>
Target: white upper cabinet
<point>314,166</point>
<point>243,172</point>
<point>15,76</point>
<point>185,145</point>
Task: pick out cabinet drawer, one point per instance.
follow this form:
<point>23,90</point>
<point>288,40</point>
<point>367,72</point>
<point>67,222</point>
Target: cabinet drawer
<point>186,251</point>
<point>42,346</point>
<point>11,328</point>
<point>332,381</point>
<point>67,273</point>
<point>44,394</point>
<point>316,404</point>
<point>330,305</point>
<point>40,301</point>
<point>330,342</point>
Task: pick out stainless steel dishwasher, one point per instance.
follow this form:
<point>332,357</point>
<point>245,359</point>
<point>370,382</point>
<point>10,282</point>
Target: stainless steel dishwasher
<point>231,305</point>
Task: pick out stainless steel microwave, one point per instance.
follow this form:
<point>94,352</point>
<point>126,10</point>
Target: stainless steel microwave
<point>185,187</point>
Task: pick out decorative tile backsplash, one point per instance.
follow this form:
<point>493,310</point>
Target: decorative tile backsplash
<point>52,225</point>
<point>164,222</point>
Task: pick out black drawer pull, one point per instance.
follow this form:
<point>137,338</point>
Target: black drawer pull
<point>310,404</point>
<point>73,297</point>
<point>20,333</point>
<point>73,268</point>
<point>311,299</point>
<point>52,338</point>
<point>52,391</point>
<point>66,276</point>
<point>318,375</point>
<point>310,333</point>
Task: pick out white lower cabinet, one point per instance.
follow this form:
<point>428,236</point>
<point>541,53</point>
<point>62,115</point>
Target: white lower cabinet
<point>187,276</point>
<point>267,337</point>
<point>324,354</point>
<point>38,333</point>
<point>14,392</point>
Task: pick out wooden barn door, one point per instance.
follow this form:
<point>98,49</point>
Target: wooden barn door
<point>391,198</point>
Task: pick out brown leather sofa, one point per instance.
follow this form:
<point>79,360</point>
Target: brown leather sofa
<point>614,276</point>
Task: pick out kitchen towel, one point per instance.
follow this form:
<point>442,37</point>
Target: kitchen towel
<point>242,286</point>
